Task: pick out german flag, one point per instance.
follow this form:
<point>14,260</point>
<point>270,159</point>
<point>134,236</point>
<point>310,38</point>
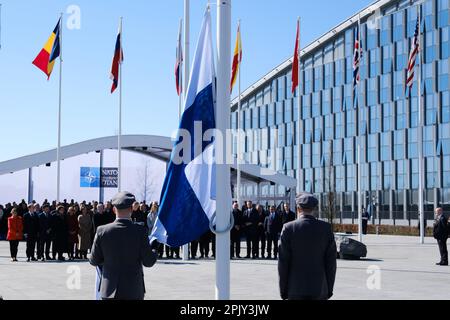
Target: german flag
<point>45,60</point>
<point>237,59</point>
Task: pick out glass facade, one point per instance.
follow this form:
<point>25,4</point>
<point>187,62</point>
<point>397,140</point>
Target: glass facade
<point>385,122</point>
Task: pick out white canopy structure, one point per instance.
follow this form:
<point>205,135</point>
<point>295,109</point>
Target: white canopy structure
<point>156,147</point>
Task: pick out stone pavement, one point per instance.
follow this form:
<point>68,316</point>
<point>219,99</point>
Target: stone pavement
<point>401,269</point>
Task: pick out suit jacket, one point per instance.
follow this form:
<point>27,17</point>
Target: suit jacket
<point>440,228</point>
<point>44,226</point>
<point>31,225</point>
<point>122,248</point>
<point>273,225</point>
<point>252,216</point>
<point>307,260</point>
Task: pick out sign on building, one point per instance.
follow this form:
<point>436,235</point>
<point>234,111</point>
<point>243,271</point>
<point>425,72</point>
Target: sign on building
<point>91,177</point>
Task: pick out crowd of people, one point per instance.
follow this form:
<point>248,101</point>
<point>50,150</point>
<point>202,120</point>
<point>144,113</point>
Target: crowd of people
<point>65,231</point>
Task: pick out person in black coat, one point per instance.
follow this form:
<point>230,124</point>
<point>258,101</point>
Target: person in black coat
<point>260,232</point>
<point>235,233</point>
<point>440,233</point>
<point>365,220</point>
<point>45,230</point>
<point>307,255</point>
<point>3,223</point>
<point>272,228</point>
<point>60,231</point>
<point>99,217</point>
<point>287,215</point>
<point>205,240</point>
<point>251,218</point>
<point>31,232</point>
<point>138,216</point>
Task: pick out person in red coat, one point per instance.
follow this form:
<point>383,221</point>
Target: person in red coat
<point>73,228</point>
<point>15,233</point>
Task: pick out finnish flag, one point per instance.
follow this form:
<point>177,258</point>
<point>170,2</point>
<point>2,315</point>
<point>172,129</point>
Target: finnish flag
<point>188,195</point>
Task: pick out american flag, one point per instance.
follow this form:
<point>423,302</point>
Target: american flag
<point>412,57</point>
<point>357,59</point>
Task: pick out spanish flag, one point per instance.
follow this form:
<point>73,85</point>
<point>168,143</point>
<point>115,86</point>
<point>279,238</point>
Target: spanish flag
<point>51,51</point>
<point>237,59</point>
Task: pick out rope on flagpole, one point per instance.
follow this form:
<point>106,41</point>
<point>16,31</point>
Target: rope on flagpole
<point>228,229</point>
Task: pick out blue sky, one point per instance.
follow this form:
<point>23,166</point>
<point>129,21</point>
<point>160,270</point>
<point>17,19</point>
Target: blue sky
<point>28,102</point>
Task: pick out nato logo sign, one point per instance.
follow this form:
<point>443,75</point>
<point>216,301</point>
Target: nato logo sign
<point>98,177</point>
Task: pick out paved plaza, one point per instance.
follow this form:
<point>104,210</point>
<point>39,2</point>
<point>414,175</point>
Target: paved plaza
<point>406,271</point>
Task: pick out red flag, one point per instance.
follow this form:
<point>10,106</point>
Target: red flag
<point>295,64</point>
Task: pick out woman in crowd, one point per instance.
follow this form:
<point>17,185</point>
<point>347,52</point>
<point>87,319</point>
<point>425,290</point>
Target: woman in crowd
<point>72,226</point>
<point>15,233</point>
<point>84,234</point>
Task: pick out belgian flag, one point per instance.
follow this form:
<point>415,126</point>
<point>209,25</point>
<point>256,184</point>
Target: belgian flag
<point>45,60</point>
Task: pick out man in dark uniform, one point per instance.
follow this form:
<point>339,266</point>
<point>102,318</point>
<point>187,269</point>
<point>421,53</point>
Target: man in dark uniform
<point>235,233</point>
<point>121,249</point>
<point>31,231</point>
<point>440,233</point>
<point>110,217</point>
<point>272,227</point>
<point>287,215</point>
<point>307,263</point>
<point>99,217</point>
<point>251,218</point>
<point>45,239</point>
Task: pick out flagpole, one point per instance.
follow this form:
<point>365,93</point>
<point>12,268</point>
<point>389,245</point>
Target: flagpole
<point>222,169</point>
<point>119,136</point>
<point>239,173</point>
<point>58,150</point>
<point>358,87</point>
<point>180,78</point>
<point>421,124</point>
<point>186,63</point>
<point>299,113</point>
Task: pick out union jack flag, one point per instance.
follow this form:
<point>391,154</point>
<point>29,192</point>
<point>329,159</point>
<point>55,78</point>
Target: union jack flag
<point>412,57</point>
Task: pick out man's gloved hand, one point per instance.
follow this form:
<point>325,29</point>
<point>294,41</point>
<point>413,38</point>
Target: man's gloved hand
<point>154,244</point>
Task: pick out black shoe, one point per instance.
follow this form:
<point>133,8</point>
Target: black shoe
<point>42,259</point>
<point>48,258</point>
<point>269,257</point>
<point>34,259</point>
<point>247,257</point>
<point>28,260</point>
<point>442,264</point>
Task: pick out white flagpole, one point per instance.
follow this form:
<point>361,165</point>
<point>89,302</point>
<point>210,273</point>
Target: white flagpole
<point>58,150</point>
<point>360,236</point>
<point>180,78</point>
<point>119,136</point>
<point>186,63</point>
<point>299,113</point>
<point>238,188</point>
<point>420,136</point>
<point>223,171</point>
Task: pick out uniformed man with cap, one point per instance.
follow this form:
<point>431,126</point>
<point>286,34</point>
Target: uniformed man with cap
<point>307,255</point>
<point>121,249</point>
